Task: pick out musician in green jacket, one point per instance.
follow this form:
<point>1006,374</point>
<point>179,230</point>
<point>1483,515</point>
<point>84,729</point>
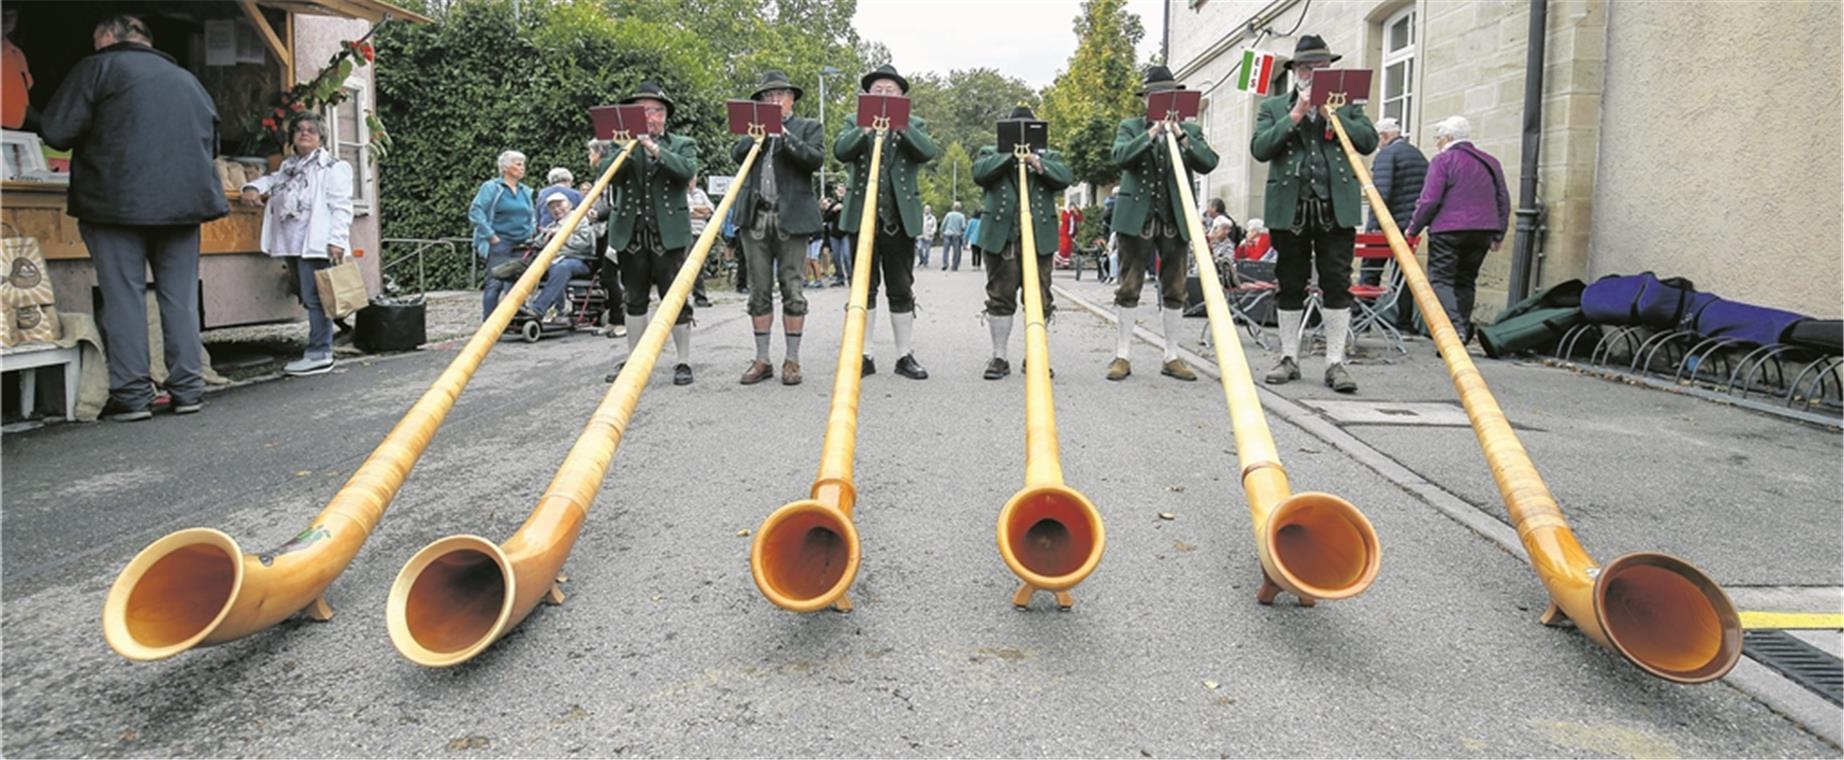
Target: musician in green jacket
<point>899,215</point>
<point>777,213</point>
<point>995,170</point>
<point>649,222</point>
<point>1149,220</point>
<point>1313,207</point>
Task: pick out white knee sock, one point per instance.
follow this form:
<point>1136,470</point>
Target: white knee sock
<point>903,326</point>
<point>636,325</point>
<point>1290,322</point>
<point>1174,323</point>
<point>1001,328</point>
<point>1337,329</point>
<point>681,339</point>
<point>1123,346</point>
<point>870,326</point>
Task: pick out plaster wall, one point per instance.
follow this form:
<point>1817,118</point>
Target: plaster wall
<point>1724,168</point>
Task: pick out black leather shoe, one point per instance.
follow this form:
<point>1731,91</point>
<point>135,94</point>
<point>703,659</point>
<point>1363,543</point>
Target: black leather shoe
<point>869,367</point>
<point>910,368</point>
<point>610,377</point>
<point>681,374</point>
<point>701,302</point>
<point>997,368</point>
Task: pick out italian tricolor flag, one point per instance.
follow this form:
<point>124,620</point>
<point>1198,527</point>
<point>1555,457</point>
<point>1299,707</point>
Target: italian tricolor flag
<point>1257,71</point>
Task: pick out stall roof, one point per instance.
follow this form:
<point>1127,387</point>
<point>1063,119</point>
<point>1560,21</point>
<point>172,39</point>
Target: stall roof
<point>370,10</point>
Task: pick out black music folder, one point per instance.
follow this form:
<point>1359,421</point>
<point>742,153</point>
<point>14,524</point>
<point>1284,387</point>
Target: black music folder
<point>1015,132</point>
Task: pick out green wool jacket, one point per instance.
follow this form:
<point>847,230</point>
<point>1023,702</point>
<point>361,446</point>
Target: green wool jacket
<point>1143,163</point>
<point>997,174</point>
<point>1284,146</point>
<point>658,181</point>
<point>801,151</point>
<point>904,153</point>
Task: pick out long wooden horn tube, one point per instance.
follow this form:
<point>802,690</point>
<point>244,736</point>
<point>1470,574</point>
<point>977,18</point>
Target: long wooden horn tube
<point>197,587</point>
<point>459,594</point>
<point>1312,545</point>
<point>1049,534</point>
<point>1660,612</point>
<point>805,555</point>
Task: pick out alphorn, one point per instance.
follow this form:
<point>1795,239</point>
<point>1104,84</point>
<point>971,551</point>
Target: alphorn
<point>197,587</point>
<point>1659,612</point>
<point>459,594</point>
<point>1049,534</point>
<point>805,555</point>
<point>1312,545</point>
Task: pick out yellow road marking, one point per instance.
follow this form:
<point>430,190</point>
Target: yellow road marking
<point>1811,621</point>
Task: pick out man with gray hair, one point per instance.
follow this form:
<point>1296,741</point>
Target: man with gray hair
<point>142,133</point>
<point>1397,172</point>
<point>557,181</point>
<point>1465,205</point>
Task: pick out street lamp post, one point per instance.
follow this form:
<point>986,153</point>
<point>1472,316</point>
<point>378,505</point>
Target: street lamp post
<point>825,71</point>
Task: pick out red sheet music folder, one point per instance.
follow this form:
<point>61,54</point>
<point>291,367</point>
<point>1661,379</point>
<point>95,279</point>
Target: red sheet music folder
<point>746,112</point>
<point>1176,105</point>
<point>610,120</point>
<point>1354,83</point>
<point>872,106</point>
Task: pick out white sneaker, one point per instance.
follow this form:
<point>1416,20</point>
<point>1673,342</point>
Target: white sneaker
<point>308,365</point>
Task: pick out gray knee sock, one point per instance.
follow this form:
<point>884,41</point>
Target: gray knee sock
<point>1290,321</point>
<point>762,346</point>
<point>681,339</point>
<point>636,326</point>
<point>794,347</point>
<point>1001,328</point>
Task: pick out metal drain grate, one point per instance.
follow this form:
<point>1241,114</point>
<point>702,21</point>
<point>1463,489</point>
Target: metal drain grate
<point>1803,663</point>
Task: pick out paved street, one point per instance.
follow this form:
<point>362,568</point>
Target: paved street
<point>665,647</point>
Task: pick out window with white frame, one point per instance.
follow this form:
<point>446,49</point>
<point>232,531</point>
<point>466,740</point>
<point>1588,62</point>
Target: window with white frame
<point>351,142</point>
<point>1399,66</point>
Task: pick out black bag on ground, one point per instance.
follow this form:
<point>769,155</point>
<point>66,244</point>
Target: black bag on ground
<point>391,325</point>
<point>1824,335</point>
<point>1534,322</point>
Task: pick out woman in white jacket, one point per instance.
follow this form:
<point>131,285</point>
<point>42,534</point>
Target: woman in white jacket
<point>307,225</point>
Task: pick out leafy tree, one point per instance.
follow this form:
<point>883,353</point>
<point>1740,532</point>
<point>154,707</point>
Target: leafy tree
<point>1087,101</point>
<point>940,189</point>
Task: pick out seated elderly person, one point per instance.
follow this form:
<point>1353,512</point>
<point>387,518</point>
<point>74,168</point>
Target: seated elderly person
<point>559,180</point>
<point>1257,246</point>
<point>572,260</point>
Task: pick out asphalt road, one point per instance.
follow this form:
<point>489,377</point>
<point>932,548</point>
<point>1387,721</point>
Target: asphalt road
<point>665,647</point>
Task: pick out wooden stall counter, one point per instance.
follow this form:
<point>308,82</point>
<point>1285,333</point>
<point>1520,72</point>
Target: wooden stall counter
<point>37,210</point>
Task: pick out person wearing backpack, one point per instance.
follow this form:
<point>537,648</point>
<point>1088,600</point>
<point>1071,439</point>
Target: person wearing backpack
<point>1465,205</point>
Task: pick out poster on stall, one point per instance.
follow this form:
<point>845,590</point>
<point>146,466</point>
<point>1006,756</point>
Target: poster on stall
<point>221,42</point>
<point>250,45</point>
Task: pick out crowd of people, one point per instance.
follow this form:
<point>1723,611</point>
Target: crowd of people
<point>139,212</point>
<point>791,236</point>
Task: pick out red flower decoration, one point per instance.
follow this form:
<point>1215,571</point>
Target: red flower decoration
<point>298,106</point>
<point>280,112</point>
<point>268,124</point>
<point>369,52</point>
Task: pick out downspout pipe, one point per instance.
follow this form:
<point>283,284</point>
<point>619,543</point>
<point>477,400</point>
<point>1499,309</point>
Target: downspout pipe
<point>1529,211</point>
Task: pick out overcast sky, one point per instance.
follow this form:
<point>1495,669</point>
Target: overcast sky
<point>1028,39</point>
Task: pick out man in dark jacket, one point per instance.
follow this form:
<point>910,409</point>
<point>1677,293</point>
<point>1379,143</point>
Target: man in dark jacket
<point>1150,223</point>
<point>649,221</point>
<point>776,214</point>
<point>1313,207</point>
<point>1397,172</point>
<point>995,170</point>
<point>142,133</point>
<point>899,215</point>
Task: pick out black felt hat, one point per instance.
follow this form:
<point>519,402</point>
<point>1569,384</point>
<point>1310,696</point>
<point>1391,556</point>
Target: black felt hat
<point>775,80</point>
<point>885,71</point>
<point>1158,79</point>
<point>650,91</point>
<point>1022,112</point>
<point>1311,48</point>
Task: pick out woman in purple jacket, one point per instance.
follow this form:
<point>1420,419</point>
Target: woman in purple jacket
<point>1465,205</point>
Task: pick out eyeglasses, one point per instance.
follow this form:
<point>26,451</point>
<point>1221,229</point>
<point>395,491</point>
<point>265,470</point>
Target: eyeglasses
<point>651,110</point>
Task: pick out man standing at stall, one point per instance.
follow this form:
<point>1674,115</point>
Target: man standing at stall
<point>899,216</point>
<point>777,213</point>
<point>995,170</point>
<point>1150,223</point>
<point>142,132</point>
<point>1313,208</point>
<point>650,221</point>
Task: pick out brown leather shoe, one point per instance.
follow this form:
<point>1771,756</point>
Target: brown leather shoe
<point>1119,369</point>
<point>790,373</point>
<point>757,372</point>
<point>1179,369</point>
